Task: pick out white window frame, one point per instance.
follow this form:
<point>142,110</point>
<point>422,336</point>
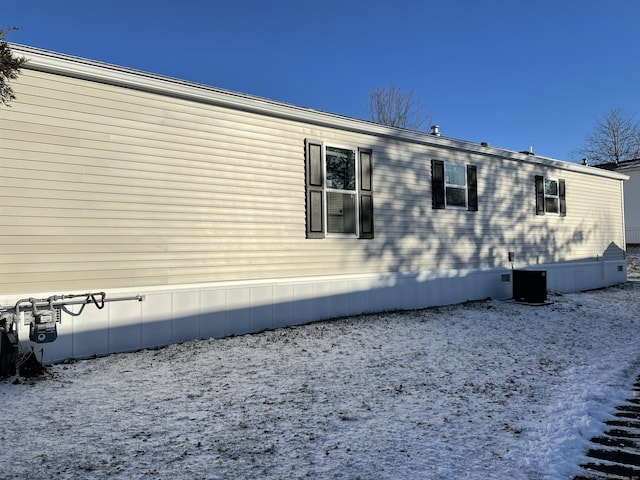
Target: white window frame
<point>556,196</point>
<point>327,190</point>
<point>463,186</point>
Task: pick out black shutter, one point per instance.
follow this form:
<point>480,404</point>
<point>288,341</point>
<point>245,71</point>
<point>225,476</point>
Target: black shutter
<point>437,183</point>
<point>366,194</point>
<point>472,188</point>
<point>314,187</point>
<point>539,195</point>
<point>563,198</point>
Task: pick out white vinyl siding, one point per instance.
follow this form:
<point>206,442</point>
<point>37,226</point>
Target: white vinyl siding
<point>631,210</point>
<point>109,187</point>
<point>182,196</point>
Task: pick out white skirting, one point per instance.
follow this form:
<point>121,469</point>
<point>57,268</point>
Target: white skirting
<point>632,235</point>
<point>181,313</point>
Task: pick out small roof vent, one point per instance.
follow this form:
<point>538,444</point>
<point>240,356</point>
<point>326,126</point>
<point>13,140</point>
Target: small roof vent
<point>528,152</point>
<point>435,130</point>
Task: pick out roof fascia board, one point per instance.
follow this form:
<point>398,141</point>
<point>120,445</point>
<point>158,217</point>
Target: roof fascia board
<point>76,67</point>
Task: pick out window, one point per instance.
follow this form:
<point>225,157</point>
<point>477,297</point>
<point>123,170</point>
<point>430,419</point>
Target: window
<point>341,190</point>
<point>550,196</point>
<point>454,186</point>
<point>339,193</point>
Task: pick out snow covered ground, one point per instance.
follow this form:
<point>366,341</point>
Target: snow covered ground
<point>485,390</point>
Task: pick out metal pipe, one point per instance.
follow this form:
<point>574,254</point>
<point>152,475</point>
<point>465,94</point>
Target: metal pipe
<point>61,300</point>
<point>88,300</point>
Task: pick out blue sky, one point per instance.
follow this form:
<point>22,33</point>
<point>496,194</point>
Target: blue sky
<point>514,74</point>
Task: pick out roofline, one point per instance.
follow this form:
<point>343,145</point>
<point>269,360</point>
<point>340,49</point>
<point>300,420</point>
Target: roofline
<point>77,67</point>
<point>631,164</point>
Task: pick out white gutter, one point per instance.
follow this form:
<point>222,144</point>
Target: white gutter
<point>76,67</point>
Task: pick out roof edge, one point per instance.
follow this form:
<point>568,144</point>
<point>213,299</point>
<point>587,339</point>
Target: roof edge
<point>68,65</point>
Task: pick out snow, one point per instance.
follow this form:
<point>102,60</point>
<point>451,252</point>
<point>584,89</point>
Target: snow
<point>484,390</point>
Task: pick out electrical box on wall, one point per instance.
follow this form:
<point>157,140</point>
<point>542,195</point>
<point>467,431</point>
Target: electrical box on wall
<point>530,286</point>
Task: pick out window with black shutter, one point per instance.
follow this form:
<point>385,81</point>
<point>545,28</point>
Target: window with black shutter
<point>339,192</point>
<point>550,196</point>
<point>454,186</point>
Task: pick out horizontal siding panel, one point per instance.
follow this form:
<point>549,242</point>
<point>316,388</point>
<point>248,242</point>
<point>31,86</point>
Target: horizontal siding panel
<point>111,280</point>
<point>107,187</point>
<point>193,201</point>
<point>215,169</point>
<point>166,189</point>
<point>184,149</point>
<point>239,136</point>
<point>113,101</point>
<point>145,205</point>
<point>106,101</point>
<point>92,228</point>
<point>92,270</point>
<point>128,125</point>
<point>121,261</point>
<point>124,217</point>
<point>212,217</point>
<point>16,253</point>
<point>11,247</point>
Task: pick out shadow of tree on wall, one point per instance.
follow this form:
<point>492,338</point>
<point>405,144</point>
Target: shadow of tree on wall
<point>415,237</point>
<point>410,237</point>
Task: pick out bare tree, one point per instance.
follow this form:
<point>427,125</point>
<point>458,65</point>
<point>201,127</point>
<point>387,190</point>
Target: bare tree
<point>615,138</point>
<point>394,107</point>
<point>9,68</point>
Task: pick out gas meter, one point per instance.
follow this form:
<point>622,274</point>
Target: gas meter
<point>43,326</point>
<point>42,315</point>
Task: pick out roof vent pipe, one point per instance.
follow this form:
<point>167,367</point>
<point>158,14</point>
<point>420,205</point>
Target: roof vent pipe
<point>585,161</point>
<point>435,130</point>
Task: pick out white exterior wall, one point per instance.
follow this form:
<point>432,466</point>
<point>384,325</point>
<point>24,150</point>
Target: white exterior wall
<point>631,203</point>
<point>133,184</point>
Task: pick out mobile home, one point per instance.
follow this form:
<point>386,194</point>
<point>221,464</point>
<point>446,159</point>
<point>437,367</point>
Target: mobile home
<point>631,168</point>
<point>232,214</point>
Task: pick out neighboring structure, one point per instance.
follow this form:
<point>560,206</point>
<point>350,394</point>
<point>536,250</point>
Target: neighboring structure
<point>631,168</point>
<point>234,214</point>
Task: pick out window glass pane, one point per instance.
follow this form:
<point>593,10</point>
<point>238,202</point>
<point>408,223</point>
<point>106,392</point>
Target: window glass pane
<point>550,187</point>
<point>341,213</point>
<point>341,169</point>
<point>456,197</point>
<point>551,204</point>
<point>454,175</point>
